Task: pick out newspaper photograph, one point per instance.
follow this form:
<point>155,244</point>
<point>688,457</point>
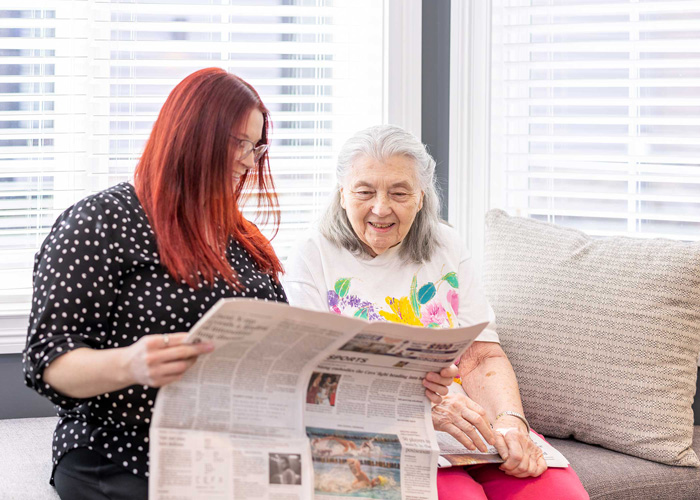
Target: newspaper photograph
<point>353,463</point>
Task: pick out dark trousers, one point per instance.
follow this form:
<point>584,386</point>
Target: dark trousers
<point>84,474</point>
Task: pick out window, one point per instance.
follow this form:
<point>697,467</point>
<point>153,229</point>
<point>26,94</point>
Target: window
<point>82,81</point>
<point>595,114</point>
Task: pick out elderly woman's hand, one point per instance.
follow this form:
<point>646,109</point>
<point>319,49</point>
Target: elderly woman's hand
<point>523,458</point>
<point>436,384</point>
<point>461,417</point>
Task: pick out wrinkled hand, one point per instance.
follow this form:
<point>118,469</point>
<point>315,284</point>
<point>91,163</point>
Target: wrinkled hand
<point>149,361</point>
<point>459,416</point>
<point>436,384</point>
<point>523,458</point>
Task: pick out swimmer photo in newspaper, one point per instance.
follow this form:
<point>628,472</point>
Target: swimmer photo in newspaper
<point>356,464</point>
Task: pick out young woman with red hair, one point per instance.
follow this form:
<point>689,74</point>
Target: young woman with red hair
<point>123,273</point>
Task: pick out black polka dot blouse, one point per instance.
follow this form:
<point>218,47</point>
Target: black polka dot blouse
<point>98,283</point>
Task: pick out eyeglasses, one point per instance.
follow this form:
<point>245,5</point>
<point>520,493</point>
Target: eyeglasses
<point>246,147</point>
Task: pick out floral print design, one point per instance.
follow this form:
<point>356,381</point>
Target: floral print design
<point>453,299</point>
<point>418,308</point>
<point>435,315</point>
<point>365,309</point>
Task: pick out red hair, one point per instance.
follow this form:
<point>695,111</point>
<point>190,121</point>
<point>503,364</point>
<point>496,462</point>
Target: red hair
<point>184,179</point>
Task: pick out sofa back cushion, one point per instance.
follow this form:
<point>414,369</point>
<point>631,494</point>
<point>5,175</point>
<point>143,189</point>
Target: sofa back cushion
<point>603,334</point>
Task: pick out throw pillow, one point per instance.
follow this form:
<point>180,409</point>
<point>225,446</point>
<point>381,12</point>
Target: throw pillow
<point>603,334</point>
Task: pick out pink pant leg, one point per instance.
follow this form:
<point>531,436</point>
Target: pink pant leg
<point>554,484</point>
<point>456,484</point>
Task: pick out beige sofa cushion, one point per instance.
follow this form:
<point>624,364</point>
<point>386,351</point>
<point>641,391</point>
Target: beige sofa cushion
<point>608,475</point>
<point>603,334</point>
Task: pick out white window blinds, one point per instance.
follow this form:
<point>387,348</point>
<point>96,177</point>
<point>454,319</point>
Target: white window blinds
<point>82,81</point>
<point>596,114</point>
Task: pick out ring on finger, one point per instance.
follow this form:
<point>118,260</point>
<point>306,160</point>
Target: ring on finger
<point>166,340</point>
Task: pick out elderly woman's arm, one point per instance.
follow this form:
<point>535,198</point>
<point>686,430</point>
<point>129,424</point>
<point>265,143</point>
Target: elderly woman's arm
<point>489,380</point>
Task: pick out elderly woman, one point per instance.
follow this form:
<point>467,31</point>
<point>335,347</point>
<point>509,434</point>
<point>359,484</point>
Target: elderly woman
<point>381,237</point>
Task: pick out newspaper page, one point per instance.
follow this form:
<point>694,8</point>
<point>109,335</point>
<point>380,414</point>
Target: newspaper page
<point>252,418</point>
<point>453,453</point>
<point>367,416</point>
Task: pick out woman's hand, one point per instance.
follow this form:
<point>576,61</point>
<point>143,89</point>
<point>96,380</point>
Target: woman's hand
<point>86,373</point>
<point>436,384</point>
<point>461,417</point>
<point>523,458</point>
<point>157,360</point>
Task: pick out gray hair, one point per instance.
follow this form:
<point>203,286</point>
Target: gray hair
<point>382,142</point>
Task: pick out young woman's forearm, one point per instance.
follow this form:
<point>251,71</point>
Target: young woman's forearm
<point>85,372</point>
<point>154,360</point>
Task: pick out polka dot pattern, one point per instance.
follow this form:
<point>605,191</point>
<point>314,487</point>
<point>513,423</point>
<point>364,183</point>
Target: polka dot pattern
<point>98,283</point>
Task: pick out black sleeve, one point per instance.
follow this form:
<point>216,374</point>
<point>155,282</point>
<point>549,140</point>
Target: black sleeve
<point>76,276</point>
<point>279,291</point>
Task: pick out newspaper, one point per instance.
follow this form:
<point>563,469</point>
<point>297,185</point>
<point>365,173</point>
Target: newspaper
<point>453,453</point>
<point>297,404</point>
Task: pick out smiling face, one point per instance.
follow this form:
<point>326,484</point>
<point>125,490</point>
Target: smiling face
<point>381,200</point>
<point>251,131</point>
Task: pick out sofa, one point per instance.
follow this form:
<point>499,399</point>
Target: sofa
<point>576,316</point>
<point>25,466</point>
<point>25,458</point>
